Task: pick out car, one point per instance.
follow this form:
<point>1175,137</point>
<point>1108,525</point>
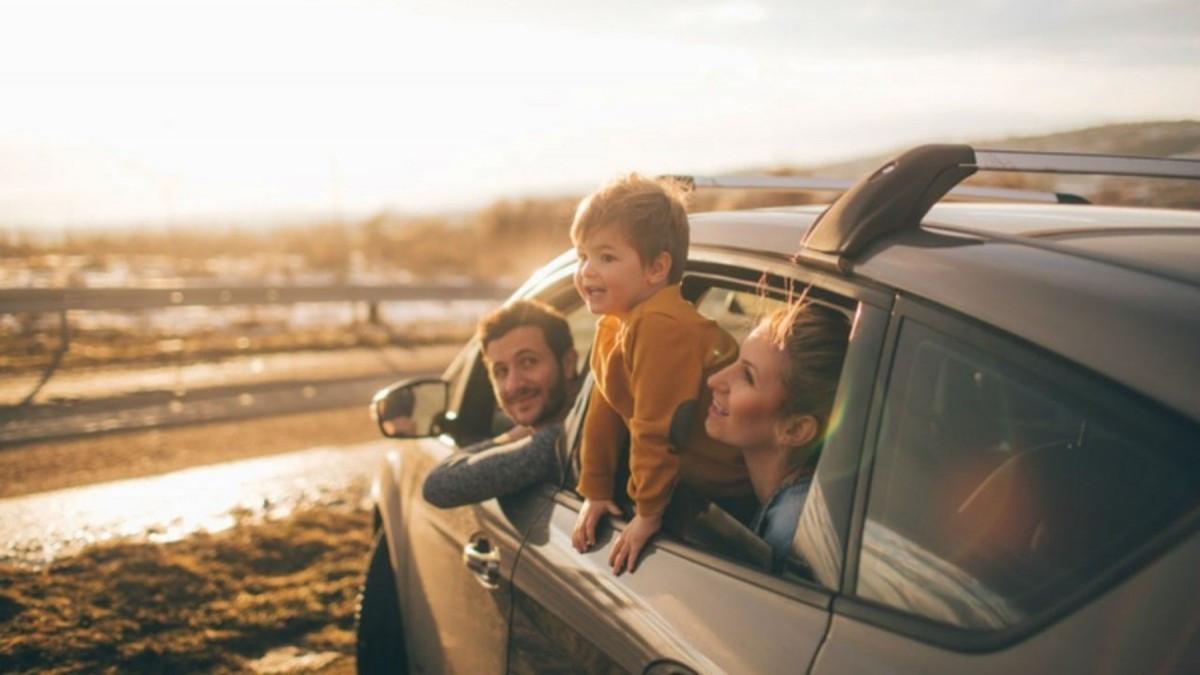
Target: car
<point>1011,484</point>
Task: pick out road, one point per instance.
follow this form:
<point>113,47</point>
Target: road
<point>128,398</point>
<point>38,528</point>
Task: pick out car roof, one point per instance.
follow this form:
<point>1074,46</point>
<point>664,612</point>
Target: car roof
<point>1165,242</point>
<point>1114,289</point>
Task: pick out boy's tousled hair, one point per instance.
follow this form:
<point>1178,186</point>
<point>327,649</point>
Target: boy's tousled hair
<point>651,213</point>
<point>513,315</point>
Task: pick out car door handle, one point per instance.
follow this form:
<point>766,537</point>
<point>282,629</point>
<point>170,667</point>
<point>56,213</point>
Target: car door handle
<point>483,559</point>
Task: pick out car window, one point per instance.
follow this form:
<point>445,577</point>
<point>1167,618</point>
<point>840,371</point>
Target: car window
<point>738,308</point>
<point>998,491</point>
<point>583,329</point>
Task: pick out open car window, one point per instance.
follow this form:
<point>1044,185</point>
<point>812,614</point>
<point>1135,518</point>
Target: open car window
<point>737,307</point>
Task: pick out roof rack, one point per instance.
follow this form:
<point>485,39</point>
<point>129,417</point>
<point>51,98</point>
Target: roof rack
<point>807,183</point>
<point>897,195</point>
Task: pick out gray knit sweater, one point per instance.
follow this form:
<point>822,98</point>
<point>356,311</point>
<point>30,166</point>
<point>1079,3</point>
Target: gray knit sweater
<point>486,469</point>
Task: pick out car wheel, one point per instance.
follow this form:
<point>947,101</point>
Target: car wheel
<point>379,638</point>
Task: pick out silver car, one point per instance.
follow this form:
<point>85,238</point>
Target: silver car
<point>1012,482</point>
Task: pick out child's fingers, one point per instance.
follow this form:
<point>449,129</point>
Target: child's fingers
<point>613,509</point>
<point>635,550</point>
<point>616,549</point>
<point>592,521</point>
<point>617,558</point>
<point>579,536</point>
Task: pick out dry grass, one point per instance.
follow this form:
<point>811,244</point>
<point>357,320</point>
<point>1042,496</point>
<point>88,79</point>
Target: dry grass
<point>211,602</point>
<point>33,347</point>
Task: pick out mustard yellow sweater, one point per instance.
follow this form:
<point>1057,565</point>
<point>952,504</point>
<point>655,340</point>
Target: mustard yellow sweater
<point>646,366</point>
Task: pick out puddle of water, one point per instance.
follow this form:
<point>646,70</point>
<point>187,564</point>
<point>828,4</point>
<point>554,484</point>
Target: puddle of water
<point>36,529</point>
<point>292,660</point>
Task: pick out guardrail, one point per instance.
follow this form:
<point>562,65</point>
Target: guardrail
<point>124,299</point>
<point>62,301</point>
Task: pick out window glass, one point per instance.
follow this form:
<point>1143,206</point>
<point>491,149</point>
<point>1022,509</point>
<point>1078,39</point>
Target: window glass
<point>583,329</point>
<point>737,311</point>
<point>997,492</point>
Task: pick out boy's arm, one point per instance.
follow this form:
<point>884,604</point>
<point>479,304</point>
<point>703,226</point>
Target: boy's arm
<point>599,448</point>
<point>667,370</point>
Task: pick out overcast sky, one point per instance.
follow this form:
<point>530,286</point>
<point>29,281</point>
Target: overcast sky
<point>154,112</point>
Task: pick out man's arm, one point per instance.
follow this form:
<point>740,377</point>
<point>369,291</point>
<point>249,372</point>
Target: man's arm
<point>466,478</point>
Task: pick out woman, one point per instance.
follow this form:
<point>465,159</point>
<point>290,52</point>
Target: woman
<point>774,403</point>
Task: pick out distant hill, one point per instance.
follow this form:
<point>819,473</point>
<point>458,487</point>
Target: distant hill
<point>1155,139</point>
<point>1151,139</point>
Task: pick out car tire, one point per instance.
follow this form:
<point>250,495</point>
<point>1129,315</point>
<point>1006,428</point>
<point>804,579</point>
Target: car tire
<point>379,636</point>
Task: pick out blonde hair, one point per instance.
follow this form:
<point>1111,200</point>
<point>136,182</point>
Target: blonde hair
<point>813,339</point>
<point>652,215</point>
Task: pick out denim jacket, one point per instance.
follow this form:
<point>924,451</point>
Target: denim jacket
<point>776,521</point>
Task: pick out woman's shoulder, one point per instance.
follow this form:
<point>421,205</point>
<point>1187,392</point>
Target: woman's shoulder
<point>782,513</point>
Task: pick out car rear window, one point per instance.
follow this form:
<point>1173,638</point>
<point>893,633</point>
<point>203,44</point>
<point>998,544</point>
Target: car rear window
<point>997,492</point>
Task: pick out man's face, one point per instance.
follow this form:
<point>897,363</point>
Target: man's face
<point>530,383</point>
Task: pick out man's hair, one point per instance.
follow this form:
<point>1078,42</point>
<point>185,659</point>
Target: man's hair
<point>500,321</point>
<point>652,215</point>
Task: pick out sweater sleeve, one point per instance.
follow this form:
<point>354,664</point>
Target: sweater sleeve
<point>599,449</point>
<point>666,367</point>
<point>469,477</point>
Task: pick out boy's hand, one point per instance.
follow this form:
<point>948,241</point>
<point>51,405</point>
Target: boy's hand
<point>583,537</point>
<point>630,543</point>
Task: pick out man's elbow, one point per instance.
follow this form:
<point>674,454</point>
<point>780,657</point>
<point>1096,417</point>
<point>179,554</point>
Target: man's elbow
<point>436,492</point>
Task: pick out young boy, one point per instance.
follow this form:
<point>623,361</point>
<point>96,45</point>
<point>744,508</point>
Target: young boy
<point>650,357</point>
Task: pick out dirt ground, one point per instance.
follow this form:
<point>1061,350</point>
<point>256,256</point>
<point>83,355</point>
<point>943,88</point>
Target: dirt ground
<point>209,603</point>
<point>38,467</point>
<point>265,596</point>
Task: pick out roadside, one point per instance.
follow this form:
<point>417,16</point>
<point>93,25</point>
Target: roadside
<point>38,467</point>
<point>274,593</point>
<point>69,386</point>
<point>110,393</point>
<point>273,596</point>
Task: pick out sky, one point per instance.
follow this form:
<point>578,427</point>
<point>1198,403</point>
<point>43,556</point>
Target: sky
<point>170,112</point>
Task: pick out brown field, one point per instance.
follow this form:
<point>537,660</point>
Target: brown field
<point>211,602</point>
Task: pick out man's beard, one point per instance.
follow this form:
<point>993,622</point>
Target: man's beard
<point>555,399</point>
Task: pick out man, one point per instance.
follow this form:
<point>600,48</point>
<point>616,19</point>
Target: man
<point>532,365</point>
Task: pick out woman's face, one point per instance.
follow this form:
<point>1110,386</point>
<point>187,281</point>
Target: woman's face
<point>747,395</point>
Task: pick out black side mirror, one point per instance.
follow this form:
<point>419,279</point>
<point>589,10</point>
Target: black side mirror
<point>412,408</point>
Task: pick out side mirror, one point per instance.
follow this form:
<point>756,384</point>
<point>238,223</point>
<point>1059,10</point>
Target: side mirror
<point>412,408</point>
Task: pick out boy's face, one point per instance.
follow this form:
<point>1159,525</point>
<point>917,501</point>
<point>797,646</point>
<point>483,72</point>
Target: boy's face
<point>611,277</point>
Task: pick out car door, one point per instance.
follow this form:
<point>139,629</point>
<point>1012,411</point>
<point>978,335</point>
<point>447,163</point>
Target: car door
<point>458,562</point>
<point>1020,515</point>
<point>694,604</point>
